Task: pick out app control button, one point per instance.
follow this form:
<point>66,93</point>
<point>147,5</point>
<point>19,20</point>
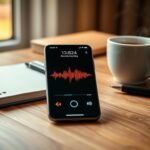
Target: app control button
<point>58,104</point>
<point>74,104</point>
<point>89,103</point>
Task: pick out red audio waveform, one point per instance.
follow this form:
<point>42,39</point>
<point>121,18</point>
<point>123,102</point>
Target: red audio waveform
<point>76,74</point>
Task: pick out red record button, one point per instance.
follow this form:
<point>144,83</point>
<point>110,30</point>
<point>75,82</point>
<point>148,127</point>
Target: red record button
<point>58,104</point>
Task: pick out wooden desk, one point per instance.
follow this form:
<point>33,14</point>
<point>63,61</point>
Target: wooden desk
<point>125,121</point>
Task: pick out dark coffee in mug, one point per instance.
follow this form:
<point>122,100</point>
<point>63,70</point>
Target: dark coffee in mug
<point>133,43</point>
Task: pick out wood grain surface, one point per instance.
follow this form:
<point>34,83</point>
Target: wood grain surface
<point>124,124</point>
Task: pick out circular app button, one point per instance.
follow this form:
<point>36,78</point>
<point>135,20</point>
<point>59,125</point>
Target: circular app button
<point>73,103</point>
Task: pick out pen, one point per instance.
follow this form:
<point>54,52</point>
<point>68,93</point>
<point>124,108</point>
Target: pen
<point>135,90</point>
<point>37,66</point>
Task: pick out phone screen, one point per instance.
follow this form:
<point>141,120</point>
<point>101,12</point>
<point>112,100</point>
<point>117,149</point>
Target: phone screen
<point>71,83</point>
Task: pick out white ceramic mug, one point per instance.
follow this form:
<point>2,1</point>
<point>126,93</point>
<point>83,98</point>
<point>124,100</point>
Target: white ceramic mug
<point>128,58</point>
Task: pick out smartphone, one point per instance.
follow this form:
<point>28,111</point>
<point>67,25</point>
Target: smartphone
<point>71,83</point>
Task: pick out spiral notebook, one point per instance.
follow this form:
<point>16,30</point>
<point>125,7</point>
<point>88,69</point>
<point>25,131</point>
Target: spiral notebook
<point>20,84</point>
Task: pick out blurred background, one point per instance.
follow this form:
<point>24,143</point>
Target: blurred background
<point>23,20</point>
<point>5,19</point>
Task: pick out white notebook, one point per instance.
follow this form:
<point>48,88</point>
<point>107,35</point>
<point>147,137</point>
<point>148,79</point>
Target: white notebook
<point>19,84</point>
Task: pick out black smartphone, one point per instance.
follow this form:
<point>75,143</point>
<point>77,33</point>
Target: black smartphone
<point>71,83</point>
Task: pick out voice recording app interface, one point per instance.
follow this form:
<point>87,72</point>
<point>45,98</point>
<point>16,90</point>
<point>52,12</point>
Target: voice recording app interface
<point>71,84</point>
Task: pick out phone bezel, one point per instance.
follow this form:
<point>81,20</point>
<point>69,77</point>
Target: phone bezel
<point>71,118</point>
